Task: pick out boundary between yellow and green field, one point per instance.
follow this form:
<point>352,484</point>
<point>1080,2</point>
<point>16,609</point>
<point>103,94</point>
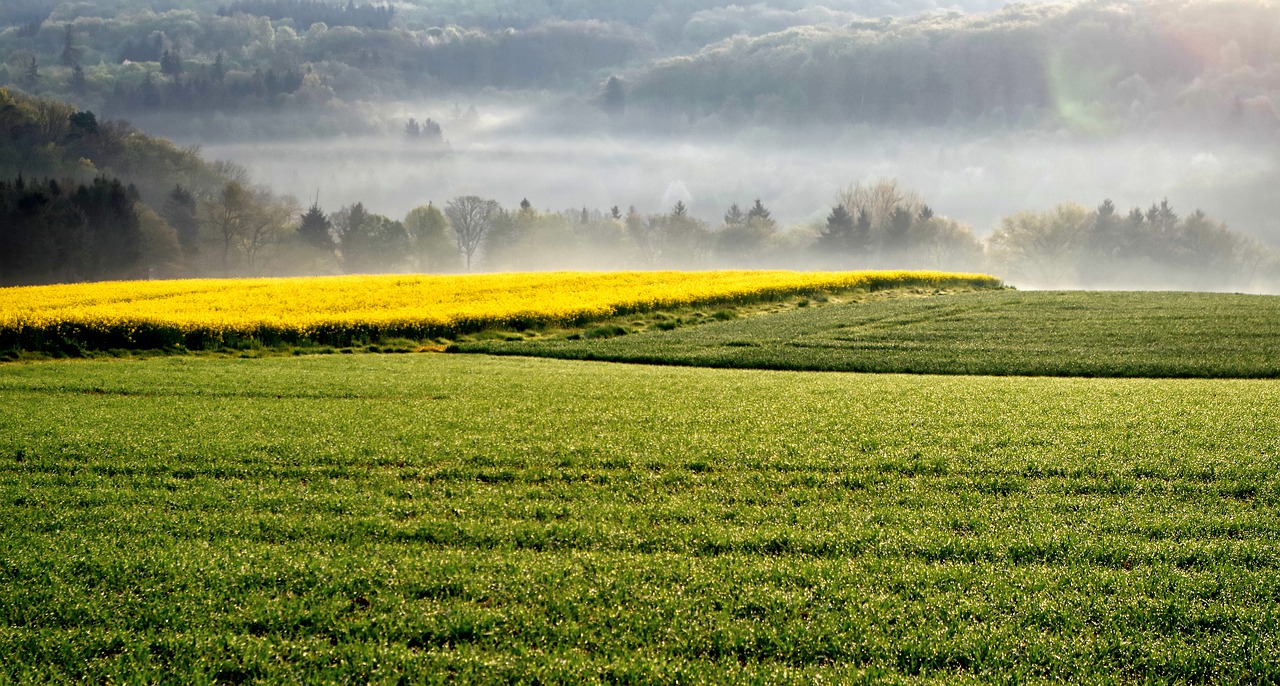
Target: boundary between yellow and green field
<point>220,313</point>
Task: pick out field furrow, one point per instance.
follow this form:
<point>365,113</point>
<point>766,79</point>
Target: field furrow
<point>435,517</point>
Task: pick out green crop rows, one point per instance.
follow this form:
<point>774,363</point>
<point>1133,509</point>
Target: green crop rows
<point>1002,333</point>
<point>433,517</point>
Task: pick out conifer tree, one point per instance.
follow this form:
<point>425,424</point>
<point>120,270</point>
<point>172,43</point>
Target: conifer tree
<point>315,228</point>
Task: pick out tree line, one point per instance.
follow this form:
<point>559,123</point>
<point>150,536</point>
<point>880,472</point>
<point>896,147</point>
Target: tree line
<point>1072,245</point>
<point>308,12</point>
<point>1096,65</point>
<point>54,231</point>
<point>86,199</point>
<point>149,62</point>
<point>669,21</point>
<point>176,89</point>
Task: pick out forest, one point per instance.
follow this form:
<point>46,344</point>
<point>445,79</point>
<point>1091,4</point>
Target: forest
<point>85,200</point>
<point>476,100</point>
<point>1098,65</point>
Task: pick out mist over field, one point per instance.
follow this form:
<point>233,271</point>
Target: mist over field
<point>1057,144</point>
<point>799,174</point>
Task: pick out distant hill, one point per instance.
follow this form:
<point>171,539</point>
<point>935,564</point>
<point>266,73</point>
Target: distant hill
<point>200,56</point>
<point>501,14</point>
<point>86,199</point>
<point>1094,66</point>
<point>42,137</point>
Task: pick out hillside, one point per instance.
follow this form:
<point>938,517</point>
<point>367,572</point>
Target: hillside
<point>44,137</point>
<point>1095,66</point>
<point>85,199</point>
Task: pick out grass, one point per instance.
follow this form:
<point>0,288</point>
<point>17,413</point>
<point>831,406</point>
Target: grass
<point>993,333</point>
<point>427,518</point>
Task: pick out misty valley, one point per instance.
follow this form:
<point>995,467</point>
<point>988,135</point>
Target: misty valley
<point>1094,144</point>
<point>656,341</point>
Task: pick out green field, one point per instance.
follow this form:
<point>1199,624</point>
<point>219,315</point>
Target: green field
<point>1209,335</point>
<point>433,517</point>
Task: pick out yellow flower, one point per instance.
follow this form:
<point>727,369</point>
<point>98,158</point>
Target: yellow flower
<point>428,305</point>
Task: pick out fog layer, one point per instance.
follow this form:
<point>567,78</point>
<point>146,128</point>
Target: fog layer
<point>1093,143</point>
<point>977,180</point>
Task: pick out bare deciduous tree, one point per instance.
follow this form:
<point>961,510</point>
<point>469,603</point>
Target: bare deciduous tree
<point>880,200</point>
<point>247,223</point>
<point>471,217</point>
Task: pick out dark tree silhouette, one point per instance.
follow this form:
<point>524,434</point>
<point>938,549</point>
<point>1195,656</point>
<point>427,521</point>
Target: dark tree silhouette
<point>838,235</point>
<point>315,228</point>
<point>180,211</point>
<point>758,211</point>
<point>70,53</point>
<point>734,215</point>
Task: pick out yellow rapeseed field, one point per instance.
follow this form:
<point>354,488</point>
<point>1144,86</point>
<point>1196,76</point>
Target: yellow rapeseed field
<point>320,308</point>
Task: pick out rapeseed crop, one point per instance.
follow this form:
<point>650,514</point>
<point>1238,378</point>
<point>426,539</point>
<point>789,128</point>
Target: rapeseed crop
<point>337,310</point>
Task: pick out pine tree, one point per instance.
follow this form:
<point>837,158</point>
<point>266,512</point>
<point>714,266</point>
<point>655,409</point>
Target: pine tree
<point>315,228</point>
<point>31,77</point>
<point>171,62</point>
<point>734,216</point>
<point>219,69</point>
<point>1162,218</point>
<point>1104,239</point>
<point>180,211</point>
<point>896,236</point>
<point>862,232</point>
<point>758,211</point>
<point>838,235</point>
<point>432,132</point>
<point>70,55</point>
<point>761,218</point>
